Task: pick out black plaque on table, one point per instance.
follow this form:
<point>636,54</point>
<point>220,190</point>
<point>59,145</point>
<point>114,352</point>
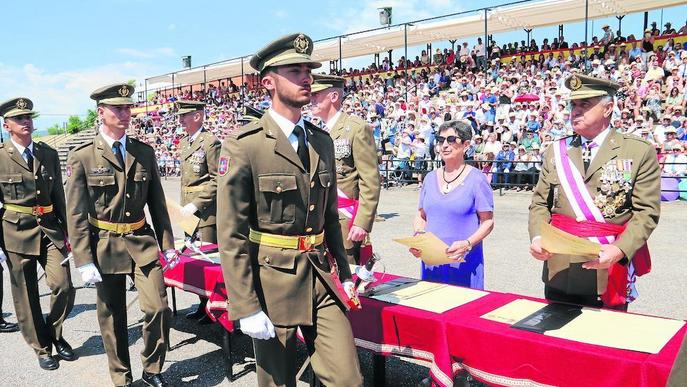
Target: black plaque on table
<point>551,317</point>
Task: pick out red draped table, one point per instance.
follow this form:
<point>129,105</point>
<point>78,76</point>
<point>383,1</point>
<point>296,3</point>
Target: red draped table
<point>460,340</point>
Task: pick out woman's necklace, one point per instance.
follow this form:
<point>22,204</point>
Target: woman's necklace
<point>447,186</point>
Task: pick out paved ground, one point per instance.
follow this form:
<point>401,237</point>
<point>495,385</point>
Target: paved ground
<point>197,359</point>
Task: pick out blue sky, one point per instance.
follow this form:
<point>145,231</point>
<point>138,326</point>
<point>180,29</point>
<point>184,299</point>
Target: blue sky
<point>56,52</point>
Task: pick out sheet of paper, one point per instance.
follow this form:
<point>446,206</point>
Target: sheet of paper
<point>560,242</point>
<point>514,311</point>
<point>433,249</point>
<point>620,330</point>
<point>430,296</point>
<point>187,223</point>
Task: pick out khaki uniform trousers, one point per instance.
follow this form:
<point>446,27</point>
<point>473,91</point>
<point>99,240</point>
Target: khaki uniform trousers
<point>39,332</point>
<point>207,234</point>
<point>112,317</point>
<point>352,248</point>
<point>330,345</point>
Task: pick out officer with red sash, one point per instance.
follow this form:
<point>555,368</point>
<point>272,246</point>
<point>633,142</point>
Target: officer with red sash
<point>602,185</point>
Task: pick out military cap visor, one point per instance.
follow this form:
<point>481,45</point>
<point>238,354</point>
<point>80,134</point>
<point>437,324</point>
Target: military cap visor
<point>117,94</point>
<point>16,107</point>
<point>324,82</point>
<point>250,114</point>
<point>287,50</point>
<point>584,86</point>
<point>185,106</point>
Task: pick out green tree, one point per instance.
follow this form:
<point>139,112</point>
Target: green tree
<point>55,130</point>
<point>74,124</point>
<point>90,120</point>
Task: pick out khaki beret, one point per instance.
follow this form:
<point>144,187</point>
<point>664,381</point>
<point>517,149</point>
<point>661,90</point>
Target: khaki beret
<point>585,86</point>
<point>290,49</point>
<point>117,94</point>
<point>323,82</point>
<point>17,107</point>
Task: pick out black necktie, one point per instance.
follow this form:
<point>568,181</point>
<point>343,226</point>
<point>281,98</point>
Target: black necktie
<point>29,158</point>
<point>587,153</point>
<point>118,153</point>
<point>302,151</point>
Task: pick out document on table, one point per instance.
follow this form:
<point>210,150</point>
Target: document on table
<point>187,223</point>
<point>598,326</point>
<point>433,249</point>
<point>560,242</point>
<point>429,296</point>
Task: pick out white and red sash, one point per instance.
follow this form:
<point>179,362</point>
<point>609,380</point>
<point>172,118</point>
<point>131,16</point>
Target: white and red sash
<point>622,277</point>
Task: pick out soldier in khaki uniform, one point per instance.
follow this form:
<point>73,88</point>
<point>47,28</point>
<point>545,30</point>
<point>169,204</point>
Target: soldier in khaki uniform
<point>276,204</point>
<point>600,180</point>
<point>357,172</point>
<point>109,182</point>
<point>199,154</point>
<point>33,229</point>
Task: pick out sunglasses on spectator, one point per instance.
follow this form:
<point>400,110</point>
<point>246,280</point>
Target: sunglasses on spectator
<point>451,139</point>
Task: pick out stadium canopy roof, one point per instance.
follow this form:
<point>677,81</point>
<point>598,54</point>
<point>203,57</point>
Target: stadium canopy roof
<point>522,15</point>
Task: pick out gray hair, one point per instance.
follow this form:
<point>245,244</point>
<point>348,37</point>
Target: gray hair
<point>463,130</point>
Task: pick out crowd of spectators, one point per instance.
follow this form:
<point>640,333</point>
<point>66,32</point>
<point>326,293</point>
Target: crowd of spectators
<point>516,107</point>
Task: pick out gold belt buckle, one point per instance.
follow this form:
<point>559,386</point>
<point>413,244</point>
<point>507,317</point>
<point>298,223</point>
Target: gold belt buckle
<point>123,228</point>
<point>37,210</point>
<point>307,242</point>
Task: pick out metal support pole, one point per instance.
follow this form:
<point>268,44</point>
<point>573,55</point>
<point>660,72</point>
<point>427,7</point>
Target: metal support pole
<point>646,20</point>
<point>586,32</point>
<point>173,91</point>
<point>340,58</point>
<point>242,83</point>
<point>560,31</point>
<point>146,96</point>
<point>205,82</point>
<point>429,52</point>
<point>486,37</point>
<point>528,30</point>
<point>391,62</point>
<point>453,44</point>
<point>405,62</point>
<point>620,23</point>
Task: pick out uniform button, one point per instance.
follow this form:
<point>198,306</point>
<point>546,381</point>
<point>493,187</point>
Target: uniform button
<point>267,260</point>
<point>128,196</point>
<point>312,207</point>
<point>38,192</point>
<point>278,189</point>
<point>144,179</point>
<point>312,184</point>
<point>127,213</point>
<point>329,183</point>
<point>102,182</point>
<point>309,229</point>
<point>50,178</point>
<point>36,177</point>
<point>38,220</point>
<point>10,180</point>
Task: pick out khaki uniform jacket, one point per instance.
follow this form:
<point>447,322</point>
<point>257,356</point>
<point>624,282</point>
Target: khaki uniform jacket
<point>640,209</point>
<point>42,187</point>
<point>357,171</point>
<point>678,375</point>
<point>199,168</point>
<point>97,187</point>
<point>266,188</point>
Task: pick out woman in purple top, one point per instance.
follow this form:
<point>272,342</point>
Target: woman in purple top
<point>456,205</point>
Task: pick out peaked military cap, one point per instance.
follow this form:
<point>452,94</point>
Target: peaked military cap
<point>584,86</point>
<point>16,107</point>
<point>186,106</point>
<point>250,114</point>
<point>117,94</point>
<point>290,49</point>
<point>324,82</point>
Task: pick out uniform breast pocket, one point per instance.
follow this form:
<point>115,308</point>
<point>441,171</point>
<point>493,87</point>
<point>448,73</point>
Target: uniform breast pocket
<point>280,193</point>
<point>12,187</point>
<point>102,189</point>
<point>141,180</point>
<point>324,178</point>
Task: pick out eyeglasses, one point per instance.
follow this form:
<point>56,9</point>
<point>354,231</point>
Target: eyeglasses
<point>451,139</point>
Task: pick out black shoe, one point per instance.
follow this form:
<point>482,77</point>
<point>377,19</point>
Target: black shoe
<point>153,380</point>
<point>64,350</point>
<point>196,314</point>
<point>7,327</point>
<point>48,363</point>
<point>124,385</point>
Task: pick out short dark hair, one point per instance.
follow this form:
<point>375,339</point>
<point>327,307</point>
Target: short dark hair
<point>463,130</point>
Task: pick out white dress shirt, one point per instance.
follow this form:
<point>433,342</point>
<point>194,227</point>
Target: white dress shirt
<point>110,142</point>
<point>287,127</point>
<point>21,149</point>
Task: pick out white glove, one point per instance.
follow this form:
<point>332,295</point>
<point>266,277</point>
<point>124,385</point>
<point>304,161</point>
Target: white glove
<point>90,274</point>
<point>3,257</point>
<point>364,274</point>
<point>349,287</point>
<point>172,258</point>
<point>189,209</point>
<point>257,326</point>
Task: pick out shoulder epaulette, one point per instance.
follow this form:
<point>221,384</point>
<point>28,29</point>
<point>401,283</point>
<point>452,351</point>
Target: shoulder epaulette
<point>246,130</point>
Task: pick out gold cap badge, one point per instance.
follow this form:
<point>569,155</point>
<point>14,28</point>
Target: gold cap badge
<point>575,82</point>
<point>21,104</point>
<point>124,91</point>
<point>300,44</point>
